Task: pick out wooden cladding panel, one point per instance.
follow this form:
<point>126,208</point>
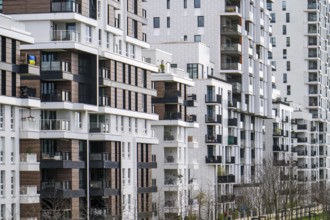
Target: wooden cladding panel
<point>26,7</point>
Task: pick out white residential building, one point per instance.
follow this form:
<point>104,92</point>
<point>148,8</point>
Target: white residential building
<point>92,134</point>
<point>171,104</point>
<point>237,33</point>
<point>13,98</point>
<point>300,57</point>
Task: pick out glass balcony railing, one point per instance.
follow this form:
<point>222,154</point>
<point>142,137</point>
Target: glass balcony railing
<point>65,6</point>
<point>65,35</point>
<point>55,66</point>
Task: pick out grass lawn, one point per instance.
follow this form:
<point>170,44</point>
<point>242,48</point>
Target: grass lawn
<point>317,217</point>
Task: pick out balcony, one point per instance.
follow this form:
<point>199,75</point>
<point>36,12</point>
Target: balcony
<point>104,100</point>
<point>99,127</point>
<point>277,132</point>
<point>56,96</point>
<point>226,179</point>
<point>28,70</point>
<point>231,30</point>
<point>29,195</point>
<point>213,118</point>
<point>311,6</point>
<point>232,122</point>
<point>56,70</point>
<point>230,160</point>
<point>102,160</point>
<point>191,118</point>
<point>191,100</point>
<point>209,138</point>
<point>65,6</point>
<point>104,73</point>
<point>232,9</point>
<point>213,98</point>
<point>232,140</point>
<point>102,188</point>
<point>62,160</point>
<point>28,92</point>
<point>54,125</point>
<point>172,116</point>
<point>302,127</point>
<point>170,97</point>
<point>302,140</point>
<point>231,48</point>
<point>237,88</point>
<point>280,163</point>
<point>148,189</point>
<point>64,35</point>
<point>231,67</point>
<point>54,189</point>
<point>213,159</point>
<point>28,162</point>
<point>226,198</point>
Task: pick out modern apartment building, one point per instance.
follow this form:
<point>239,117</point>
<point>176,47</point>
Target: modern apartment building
<point>171,104</point>
<point>16,196</point>
<point>300,58</point>
<point>92,134</point>
<point>237,33</point>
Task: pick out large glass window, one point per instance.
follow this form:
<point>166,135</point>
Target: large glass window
<point>197,3</point>
<point>192,69</point>
<point>200,21</point>
<point>156,22</point>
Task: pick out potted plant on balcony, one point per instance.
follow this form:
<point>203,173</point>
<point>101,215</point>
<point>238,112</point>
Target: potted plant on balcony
<point>161,68</point>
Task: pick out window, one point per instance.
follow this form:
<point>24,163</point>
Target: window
<point>100,37</point>
<point>288,65</point>
<point>288,41</point>
<point>3,82</point>
<point>122,123</point>
<point>123,149</point>
<point>2,182</point>
<point>145,126</point>
<point>123,176</point>
<point>284,29</point>
<point>88,33</point>
<point>136,125</point>
<point>273,41</point>
<point>129,175</point>
<point>192,69</point>
<point>184,3</point>
<point>168,4</point>
<point>185,37</point>
<point>197,3</point>
<point>284,53</point>
<point>287,15</point>
<point>129,150</point>
<point>269,6</point>
<point>273,18</point>
<point>12,153</point>
<point>285,78</point>
<point>197,38</point>
<point>156,22</point>
<point>3,210</point>
<point>1,116</point>
<point>12,183</point>
<point>77,119</point>
<point>12,115</point>
<point>3,49</point>
<point>200,21</point>
<point>2,148</point>
<point>130,124</point>
<point>283,5</point>
<point>1,6</point>
<point>108,40</point>
<point>168,22</point>
<point>288,90</point>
